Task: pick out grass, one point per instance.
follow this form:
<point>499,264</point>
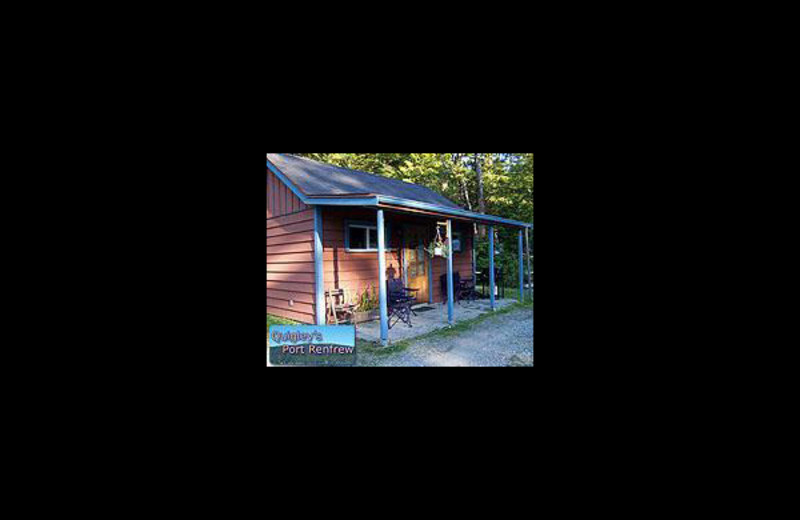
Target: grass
<point>274,320</point>
<point>458,328</point>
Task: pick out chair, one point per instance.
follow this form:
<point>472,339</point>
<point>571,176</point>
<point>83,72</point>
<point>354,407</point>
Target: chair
<point>466,290</point>
<point>498,280</point>
<point>339,307</point>
<point>399,301</point>
<point>462,289</point>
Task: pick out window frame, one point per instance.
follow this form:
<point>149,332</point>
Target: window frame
<point>360,224</point>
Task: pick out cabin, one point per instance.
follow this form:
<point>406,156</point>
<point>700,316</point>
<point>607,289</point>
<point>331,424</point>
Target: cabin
<point>332,228</point>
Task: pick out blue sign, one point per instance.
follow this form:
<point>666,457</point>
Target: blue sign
<point>311,345</point>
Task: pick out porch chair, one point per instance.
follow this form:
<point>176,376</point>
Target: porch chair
<point>498,280</point>
<point>462,289</point>
<point>466,289</point>
<point>399,300</point>
<point>339,307</point>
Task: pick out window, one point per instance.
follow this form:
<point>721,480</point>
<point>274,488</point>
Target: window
<point>458,238</point>
<point>358,238</point>
<point>363,236</point>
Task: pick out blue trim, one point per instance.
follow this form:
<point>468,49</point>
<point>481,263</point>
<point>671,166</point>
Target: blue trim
<point>491,266</point>
<point>530,271</point>
<point>521,270</point>
<point>382,281</point>
<point>367,202</point>
<point>450,296</point>
<point>403,260</point>
<point>348,223</point>
<point>319,272</point>
<point>430,280</point>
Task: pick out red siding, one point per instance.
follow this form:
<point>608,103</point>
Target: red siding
<point>281,200</point>
<point>290,254</point>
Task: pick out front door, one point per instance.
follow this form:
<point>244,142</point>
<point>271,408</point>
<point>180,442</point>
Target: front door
<point>416,260</point>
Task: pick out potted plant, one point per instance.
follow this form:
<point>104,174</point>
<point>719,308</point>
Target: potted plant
<point>438,247</point>
<point>368,309</point>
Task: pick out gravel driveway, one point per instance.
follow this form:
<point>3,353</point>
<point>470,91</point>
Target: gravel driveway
<point>505,340</point>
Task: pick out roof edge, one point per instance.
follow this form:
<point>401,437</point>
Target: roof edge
<point>371,201</point>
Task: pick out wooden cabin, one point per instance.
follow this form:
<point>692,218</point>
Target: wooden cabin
<point>323,226</point>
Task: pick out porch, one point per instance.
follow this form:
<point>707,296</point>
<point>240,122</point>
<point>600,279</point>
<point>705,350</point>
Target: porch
<point>362,248</point>
<point>429,320</point>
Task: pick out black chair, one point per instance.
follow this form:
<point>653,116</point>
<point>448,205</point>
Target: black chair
<point>466,290</point>
<point>498,281</point>
<point>399,302</point>
<point>462,289</point>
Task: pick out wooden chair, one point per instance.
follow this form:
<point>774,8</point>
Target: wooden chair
<point>339,308</point>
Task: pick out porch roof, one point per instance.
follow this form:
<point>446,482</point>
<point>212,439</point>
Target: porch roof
<point>316,183</point>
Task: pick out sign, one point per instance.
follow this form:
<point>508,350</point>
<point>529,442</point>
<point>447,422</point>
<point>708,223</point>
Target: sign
<point>309,345</point>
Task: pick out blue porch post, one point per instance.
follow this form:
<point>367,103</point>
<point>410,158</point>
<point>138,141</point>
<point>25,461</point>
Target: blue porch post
<point>402,253</point>
<point>382,280</point>
<point>450,296</point>
<point>521,270</point>
<point>530,269</point>
<point>319,274</point>
<point>491,266</point>
<point>430,280</point>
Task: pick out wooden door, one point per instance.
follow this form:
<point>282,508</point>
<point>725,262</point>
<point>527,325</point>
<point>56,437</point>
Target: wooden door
<point>417,261</point>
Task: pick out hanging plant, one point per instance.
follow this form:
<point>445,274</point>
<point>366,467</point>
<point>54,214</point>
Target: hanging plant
<point>438,247</point>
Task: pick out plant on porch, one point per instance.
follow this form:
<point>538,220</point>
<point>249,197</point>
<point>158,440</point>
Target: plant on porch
<point>438,247</point>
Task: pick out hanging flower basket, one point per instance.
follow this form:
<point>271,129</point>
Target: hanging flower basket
<point>433,251</point>
<point>438,247</point>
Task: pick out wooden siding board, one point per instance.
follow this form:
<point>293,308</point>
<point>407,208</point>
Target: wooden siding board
<point>287,295</point>
<point>302,308</point>
<point>292,287</point>
<point>290,229</point>
<point>297,267</point>
<point>291,315</point>
<point>289,258</point>
<point>272,276</point>
<point>293,218</point>
<point>291,239</point>
<point>298,247</point>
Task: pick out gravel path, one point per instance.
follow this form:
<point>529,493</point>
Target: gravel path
<point>505,340</point>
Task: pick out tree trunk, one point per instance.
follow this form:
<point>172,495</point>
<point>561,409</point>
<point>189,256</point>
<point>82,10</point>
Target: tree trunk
<point>481,198</point>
